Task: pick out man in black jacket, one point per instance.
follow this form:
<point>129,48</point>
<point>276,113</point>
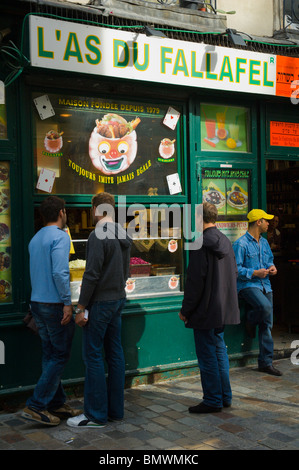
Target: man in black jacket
<point>211,302</point>
<point>103,297</point>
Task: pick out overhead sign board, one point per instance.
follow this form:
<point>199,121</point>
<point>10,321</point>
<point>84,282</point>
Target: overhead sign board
<point>61,45</point>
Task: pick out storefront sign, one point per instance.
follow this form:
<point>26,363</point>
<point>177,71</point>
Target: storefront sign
<point>284,134</point>
<point>287,76</point>
<point>62,45</point>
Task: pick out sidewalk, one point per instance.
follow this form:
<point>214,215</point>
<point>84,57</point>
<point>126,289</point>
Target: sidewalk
<point>264,415</point>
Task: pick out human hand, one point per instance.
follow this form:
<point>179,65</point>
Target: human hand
<point>261,273</point>
<point>80,320</point>
<point>184,319</point>
<point>272,270</point>
<point>67,314</point>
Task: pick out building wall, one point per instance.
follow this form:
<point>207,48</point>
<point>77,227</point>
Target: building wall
<point>252,16</point>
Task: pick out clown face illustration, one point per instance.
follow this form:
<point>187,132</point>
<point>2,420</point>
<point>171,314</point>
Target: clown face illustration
<point>113,144</point>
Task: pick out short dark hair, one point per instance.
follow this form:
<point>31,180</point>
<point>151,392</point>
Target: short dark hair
<point>209,213</point>
<point>103,198</point>
<point>50,208</point>
<point>106,199</point>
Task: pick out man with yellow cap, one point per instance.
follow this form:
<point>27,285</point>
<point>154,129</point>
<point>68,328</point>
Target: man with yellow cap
<point>255,265</point>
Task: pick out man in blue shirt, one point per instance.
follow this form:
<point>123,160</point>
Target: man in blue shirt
<point>52,311</point>
<point>255,264</point>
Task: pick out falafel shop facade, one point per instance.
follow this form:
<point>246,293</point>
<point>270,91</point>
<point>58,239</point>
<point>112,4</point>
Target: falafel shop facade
<point>161,124</point>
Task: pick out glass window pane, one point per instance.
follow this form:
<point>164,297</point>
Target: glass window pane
<point>92,145</point>
<point>225,128</point>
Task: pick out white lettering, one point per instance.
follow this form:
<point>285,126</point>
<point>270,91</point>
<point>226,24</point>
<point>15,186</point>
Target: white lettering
<point>295,354</point>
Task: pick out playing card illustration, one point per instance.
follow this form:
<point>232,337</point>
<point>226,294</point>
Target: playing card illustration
<point>46,180</point>
<point>174,183</point>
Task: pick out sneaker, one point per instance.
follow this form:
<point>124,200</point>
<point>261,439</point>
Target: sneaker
<point>40,416</point>
<point>65,411</point>
<point>82,421</point>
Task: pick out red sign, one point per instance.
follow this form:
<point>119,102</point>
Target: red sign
<point>284,134</point>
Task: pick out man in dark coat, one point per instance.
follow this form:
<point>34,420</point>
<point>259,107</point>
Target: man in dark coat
<point>211,302</point>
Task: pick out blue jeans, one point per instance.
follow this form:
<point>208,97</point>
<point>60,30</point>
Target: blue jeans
<point>56,342</point>
<point>261,314</point>
<point>103,330</point>
<point>214,367</point>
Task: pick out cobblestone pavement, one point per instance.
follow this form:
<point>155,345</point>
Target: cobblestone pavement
<point>264,415</point>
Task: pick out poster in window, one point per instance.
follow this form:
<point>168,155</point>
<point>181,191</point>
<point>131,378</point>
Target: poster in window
<point>224,128</point>
<point>228,189</point>
<point>96,145</point>
<point>5,234</point>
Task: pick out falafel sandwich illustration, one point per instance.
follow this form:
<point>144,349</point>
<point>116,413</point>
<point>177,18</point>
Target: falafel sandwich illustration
<point>113,144</point>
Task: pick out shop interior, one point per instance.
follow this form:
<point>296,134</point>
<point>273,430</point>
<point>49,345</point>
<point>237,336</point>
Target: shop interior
<point>156,263</point>
<point>283,236</point>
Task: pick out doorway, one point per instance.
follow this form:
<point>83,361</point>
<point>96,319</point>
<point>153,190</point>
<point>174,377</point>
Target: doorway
<point>282,185</point>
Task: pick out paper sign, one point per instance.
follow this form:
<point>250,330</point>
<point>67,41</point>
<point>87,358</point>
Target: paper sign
<point>44,107</point>
<point>171,118</point>
<point>174,183</point>
<point>284,134</point>
<point>46,180</point>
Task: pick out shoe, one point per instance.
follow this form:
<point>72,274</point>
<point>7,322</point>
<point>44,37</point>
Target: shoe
<point>82,421</point>
<point>114,419</point>
<point>65,411</point>
<point>40,416</point>
<point>270,370</point>
<point>202,408</point>
<point>250,329</point>
<point>226,405</point>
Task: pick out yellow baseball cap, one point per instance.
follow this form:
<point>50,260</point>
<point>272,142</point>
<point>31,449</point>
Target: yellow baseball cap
<point>257,214</point>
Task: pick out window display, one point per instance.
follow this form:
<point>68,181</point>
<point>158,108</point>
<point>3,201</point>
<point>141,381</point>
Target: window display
<point>91,145</point>
<point>156,264</point>
<point>224,128</point>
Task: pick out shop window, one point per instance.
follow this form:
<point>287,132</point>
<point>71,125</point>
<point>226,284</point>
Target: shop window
<point>3,121</point>
<point>88,145</point>
<point>225,128</point>
<point>156,264</point>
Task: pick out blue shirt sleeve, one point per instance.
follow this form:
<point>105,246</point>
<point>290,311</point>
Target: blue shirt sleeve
<point>244,273</point>
<point>60,267</point>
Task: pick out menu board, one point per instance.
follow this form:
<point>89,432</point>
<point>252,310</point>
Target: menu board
<point>88,145</point>
<point>224,128</point>
<point>5,234</point>
<point>229,190</point>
